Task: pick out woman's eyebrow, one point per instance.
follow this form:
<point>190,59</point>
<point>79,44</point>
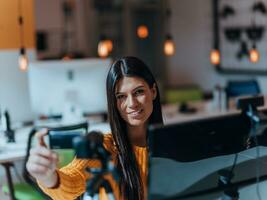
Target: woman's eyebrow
<point>136,88</point>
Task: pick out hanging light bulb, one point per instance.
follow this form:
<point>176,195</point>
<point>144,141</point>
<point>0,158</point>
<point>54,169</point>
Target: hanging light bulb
<point>142,31</point>
<point>169,47</point>
<point>109,44</point>
<point>254,54</point>
<point>105,46</point>
<point>23,60</point>
<point>215,57</point>
<point>102,49</point>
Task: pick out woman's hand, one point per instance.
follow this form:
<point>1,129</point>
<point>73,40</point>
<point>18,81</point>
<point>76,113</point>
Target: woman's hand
<point>42,162</point>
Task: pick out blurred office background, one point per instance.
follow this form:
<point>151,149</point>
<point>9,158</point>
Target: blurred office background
<point>53,31</point>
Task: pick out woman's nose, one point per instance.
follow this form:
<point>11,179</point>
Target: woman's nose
<point>132,102</point>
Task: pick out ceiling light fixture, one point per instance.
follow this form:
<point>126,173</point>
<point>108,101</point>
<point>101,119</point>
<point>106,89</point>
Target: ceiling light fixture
<point>169,46</point>
<point>142,31</point>
<point>254,55</point>
<point>215,57</point>
<point>23,59</point>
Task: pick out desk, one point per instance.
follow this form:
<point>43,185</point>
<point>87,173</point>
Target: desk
<point>204,109</point>
<point>12,152</point>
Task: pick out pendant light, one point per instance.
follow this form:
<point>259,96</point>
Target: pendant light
<point>169,46</point>
<point>102,49</point>
<point>142,31</point>
<point>255,33</point>
<point>105,44</point>
<point>215,57</point>
<point>215,54</point>
<point>254,55</point>
<point>23,59</point>
<point>109,44</point>
<point>105,47</point>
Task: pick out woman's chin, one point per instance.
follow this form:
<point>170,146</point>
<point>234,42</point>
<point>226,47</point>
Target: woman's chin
<point>135,122</point>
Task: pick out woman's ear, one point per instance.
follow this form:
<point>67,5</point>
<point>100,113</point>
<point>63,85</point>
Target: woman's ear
<point>154,91</point>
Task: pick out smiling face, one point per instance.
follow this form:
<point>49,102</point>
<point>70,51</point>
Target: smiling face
<point>134,100</point>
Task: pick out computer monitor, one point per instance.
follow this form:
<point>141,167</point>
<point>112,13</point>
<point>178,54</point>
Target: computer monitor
<point>54,85</point>
<point>185,158</point>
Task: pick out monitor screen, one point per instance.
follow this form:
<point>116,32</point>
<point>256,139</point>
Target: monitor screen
<point>79,82</point>
<point>186,158</point>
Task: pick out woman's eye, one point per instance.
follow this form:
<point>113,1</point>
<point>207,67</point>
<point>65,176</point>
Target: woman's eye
<point>120,97</point>
<point>140,91</point>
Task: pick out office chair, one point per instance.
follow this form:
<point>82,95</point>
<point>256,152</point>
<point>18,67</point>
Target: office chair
<point>30,189</point>
<point>241,88</point>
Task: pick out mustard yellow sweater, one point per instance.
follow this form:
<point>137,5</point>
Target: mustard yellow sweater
<point>73,177</point>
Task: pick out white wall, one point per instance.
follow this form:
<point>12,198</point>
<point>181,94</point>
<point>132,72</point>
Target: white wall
<point>191,26</point>
<point>14,93</point>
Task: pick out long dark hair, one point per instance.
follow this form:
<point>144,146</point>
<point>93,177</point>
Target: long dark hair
<point>131,186</point>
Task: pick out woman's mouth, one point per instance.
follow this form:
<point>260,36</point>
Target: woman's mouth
<point>136,113</point>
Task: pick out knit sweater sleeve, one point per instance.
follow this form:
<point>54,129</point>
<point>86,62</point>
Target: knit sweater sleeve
<point>73,177</point>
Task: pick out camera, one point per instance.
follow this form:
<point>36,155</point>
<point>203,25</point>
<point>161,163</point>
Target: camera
<point>87,145</point>
<point>62,137</point>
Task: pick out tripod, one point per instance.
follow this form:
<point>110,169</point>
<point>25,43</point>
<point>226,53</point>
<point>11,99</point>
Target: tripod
<point>231,192</point>
<point>98,182</point>
<point>91,147</point>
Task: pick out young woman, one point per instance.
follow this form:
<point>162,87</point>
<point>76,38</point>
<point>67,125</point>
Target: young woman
<point>133,103</point>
